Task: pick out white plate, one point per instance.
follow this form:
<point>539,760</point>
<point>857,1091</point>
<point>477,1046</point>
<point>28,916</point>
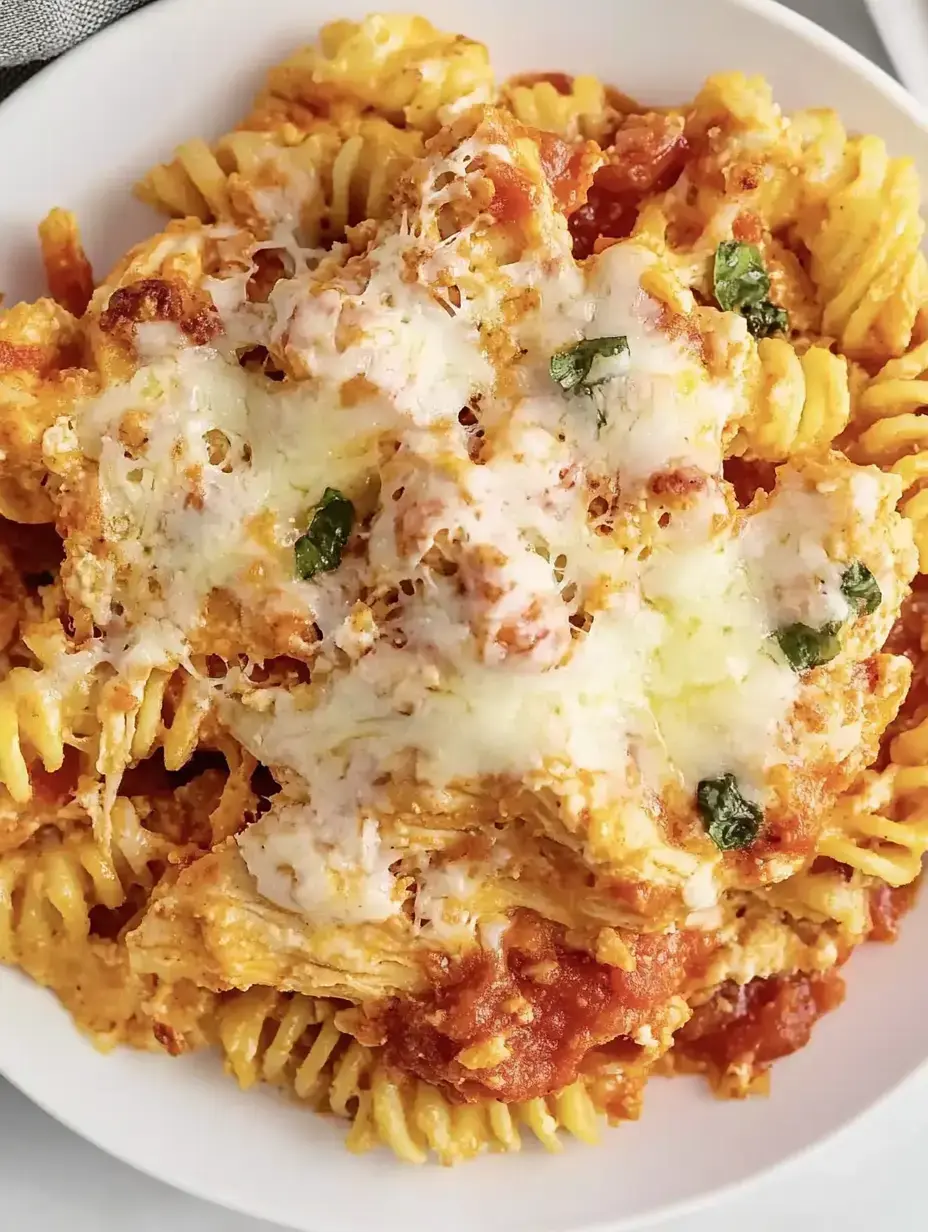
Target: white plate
<point>78,135</point>
<point>903,27</point>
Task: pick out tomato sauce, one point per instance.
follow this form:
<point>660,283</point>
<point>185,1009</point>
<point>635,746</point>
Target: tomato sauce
<point>756,1023</point>
<point>647,156</point>
<point>55,786</point>
<point>748,228</point>
<point>550,1002</point>
<point>748,477</point>
<point>513,193</point>
<point>888,904</point>
<point>568,169</point>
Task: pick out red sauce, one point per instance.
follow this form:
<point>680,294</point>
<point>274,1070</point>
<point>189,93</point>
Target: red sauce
<point>748,477</point>
<point>271,264</point>
<point>55,786</point>
<point>514,193</point>
<point>567,168</point>
<point>22,357</point>
<point>551,1002</point>
<point>678,483</point>
<point>748,228</point>
<point>888,904</point>
<point>756,1023</point>
<point>648,153</point>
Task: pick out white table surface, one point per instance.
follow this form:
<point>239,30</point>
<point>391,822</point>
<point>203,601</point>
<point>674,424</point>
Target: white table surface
<point>870,1178</point>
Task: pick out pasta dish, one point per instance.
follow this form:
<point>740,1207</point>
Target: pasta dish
<point>462,622</point>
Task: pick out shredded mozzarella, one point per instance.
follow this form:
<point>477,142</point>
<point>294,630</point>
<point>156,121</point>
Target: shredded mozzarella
<point>489,625</point>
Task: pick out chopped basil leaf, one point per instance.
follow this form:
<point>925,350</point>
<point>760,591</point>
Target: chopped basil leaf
<point>861,589</point>
<point>730,820</point>
<point>739,276</point>
<point>576,366</point>
<point>741,284</point>
<point>320,548</point>
<point>765,319</point>
<point>805,647</point>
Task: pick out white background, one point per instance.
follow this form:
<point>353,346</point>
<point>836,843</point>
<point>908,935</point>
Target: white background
<point>869,1179</point>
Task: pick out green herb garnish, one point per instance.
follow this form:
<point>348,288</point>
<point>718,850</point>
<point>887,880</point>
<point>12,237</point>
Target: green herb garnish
<point>320,548</point>
<point>765,319</point>
<point>577,367</point>
<point>861,589</point>
<point>741,284</point>
<point>805,647</point>
<point>730,820</point>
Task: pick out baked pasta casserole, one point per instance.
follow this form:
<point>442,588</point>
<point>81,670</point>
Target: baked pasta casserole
<point>462,623</point>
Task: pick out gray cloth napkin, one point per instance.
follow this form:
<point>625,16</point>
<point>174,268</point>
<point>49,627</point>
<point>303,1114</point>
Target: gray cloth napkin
<point>33,31</point>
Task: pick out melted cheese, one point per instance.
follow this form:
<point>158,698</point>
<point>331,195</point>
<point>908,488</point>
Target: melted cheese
<point>181,524</point>
<point>320,871</point>
<point>484,633</point>
<point>785,547</point>
<point>664,410</point>
<point>395,334</point>
<point>718,689</point>
<point>676,679</point>
<point>661,409</point>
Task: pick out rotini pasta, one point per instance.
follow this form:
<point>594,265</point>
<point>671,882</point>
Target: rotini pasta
<point>326,179</point>
<point>867,262</point>
<point>456,594</point>
<point>128,736</point>
<point>803,403</point>
<point>580,110</point>
<point>51,887</point>
<point>31,710</point>
<point>67,270</point>
<point>399,66</point>
<point>860,835</point>
<point>891,433</point>
<point>295,1043</point>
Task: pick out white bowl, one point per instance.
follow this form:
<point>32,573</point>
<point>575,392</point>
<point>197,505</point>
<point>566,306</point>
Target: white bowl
<point>78,136</point>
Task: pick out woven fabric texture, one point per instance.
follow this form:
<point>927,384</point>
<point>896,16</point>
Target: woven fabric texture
<point>35,31</point>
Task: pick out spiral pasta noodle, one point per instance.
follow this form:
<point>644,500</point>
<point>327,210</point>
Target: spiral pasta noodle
<point>822,894</point>
<point>861,834</point>
<point>47,708</point>
<point>294,1042</point>
<point>67,270</point>
<point>330,178</point>
<point>400,66</point>
<point>51,885</point>
<point>867,261</point>
<point>892,431</point>
<point>32,710</point>
<point>802,402</point>
<point>50,891</point>
<point>580,111</point>
<point>128,736</point>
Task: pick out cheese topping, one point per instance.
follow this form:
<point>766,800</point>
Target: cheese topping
<point>206,471</point>
<point>547,592</point>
